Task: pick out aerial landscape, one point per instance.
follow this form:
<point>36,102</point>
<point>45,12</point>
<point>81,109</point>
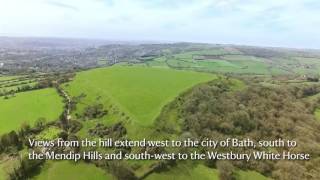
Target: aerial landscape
<point>159,90</point>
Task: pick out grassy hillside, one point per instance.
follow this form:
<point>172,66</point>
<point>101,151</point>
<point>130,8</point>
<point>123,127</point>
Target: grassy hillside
<point>65,170</point>
<point>28,107</point>
<point>164,92</point>
<point>183,172</point>
<point>138,91</point>
<point>250,175</point>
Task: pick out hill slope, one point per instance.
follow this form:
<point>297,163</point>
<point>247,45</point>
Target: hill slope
<point>140,92</point>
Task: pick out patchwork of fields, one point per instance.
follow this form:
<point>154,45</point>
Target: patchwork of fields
<point>14,83</point>
<point>228,60</point>
<point>135,95</point>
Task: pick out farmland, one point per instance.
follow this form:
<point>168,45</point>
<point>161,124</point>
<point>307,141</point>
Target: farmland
<point>184,171</point>
<point>244,175</point>
<point>16,83</point>
<point>27,107</point>
<point>68,170</point>
<point>7,78</point>
<point>159,92</point>
<point>234,60</point>
<point>140,92</point>
<point>199,171</point>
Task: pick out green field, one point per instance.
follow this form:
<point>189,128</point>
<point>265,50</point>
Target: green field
<point>49,133</point>
<point>6,78</point>
<point>250,175</point>
<point>226,63</point>
<point>220,60</point>
<point>66,170</point>
<point>183,172</point>
<point>138,91</point>
<point>15,83</point>
<point>135,95</point>
<point>15,87</point>
<point>27,107</point>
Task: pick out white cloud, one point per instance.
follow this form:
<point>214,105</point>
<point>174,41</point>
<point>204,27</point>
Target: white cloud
<point>274,22</point>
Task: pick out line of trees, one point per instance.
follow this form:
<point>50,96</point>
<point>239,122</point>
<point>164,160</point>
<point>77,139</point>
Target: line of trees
<point>47,81</point>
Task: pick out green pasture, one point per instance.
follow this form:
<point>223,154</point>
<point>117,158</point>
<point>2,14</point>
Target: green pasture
<point>250,175</point>
<point>140,92</point>
<point>233,61</point>
<point>184,172</point>
<point>6,78</point>
<point>27,107</point>
<point>66,170</point>
<point>15,87</point>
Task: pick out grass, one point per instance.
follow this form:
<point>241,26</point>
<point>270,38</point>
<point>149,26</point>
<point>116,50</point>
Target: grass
<point>227,63</point>
<point>66,170</point>
<point>317,114</point>
<point>157,62</point>
<point>232,61</point>
<point>5,78</point>
<point>15,87</point>
<point>49,134</point>
<point>27,107</point>
<point>250,175</point>
<point>102,62</point>
<point>7,164</point>
<point>140,92</point>
<point>3,174</point>
<point>183,172</point>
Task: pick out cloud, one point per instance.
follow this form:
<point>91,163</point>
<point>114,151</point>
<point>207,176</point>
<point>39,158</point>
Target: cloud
<point>293,23</point>
<point>62,5</point>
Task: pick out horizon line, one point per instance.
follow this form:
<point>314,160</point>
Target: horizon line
<point>157,42</point>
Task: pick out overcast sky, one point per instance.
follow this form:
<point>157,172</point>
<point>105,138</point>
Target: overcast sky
<point>288,23</point>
